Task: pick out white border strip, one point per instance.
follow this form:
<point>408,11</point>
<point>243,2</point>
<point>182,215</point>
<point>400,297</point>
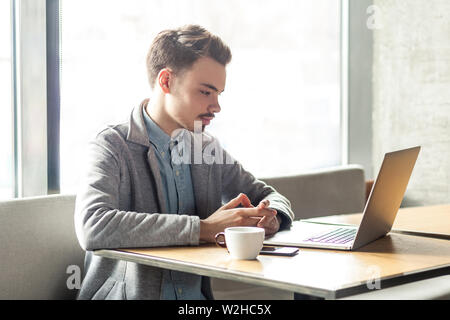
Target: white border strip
<point>344,14</point>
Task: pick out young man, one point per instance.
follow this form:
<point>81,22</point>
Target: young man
<point>136,195</point>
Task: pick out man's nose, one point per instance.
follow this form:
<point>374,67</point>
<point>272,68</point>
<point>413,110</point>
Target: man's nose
<point>214,108</point>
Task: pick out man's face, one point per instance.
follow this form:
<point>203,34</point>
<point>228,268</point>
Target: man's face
<point>194,93</point>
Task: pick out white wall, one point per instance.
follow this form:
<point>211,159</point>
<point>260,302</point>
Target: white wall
<point>411,92</point>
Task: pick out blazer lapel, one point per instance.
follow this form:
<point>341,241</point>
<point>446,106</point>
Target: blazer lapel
<point>154,168</point>
<point>200,183</point>
<point>137,133</point>
<point>200,174</point>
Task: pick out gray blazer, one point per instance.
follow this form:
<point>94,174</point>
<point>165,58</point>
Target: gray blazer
<point>121,205</point>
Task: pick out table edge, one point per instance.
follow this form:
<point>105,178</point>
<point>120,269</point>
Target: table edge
<point>212,271</point>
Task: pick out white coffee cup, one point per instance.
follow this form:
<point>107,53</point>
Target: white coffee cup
<point>243,243</point>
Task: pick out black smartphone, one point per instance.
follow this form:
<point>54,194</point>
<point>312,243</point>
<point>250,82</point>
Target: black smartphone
<point>279,251</point>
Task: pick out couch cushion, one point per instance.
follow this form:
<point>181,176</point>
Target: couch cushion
<point>38,248</point>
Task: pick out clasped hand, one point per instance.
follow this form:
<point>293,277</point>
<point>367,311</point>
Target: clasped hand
<point>230,215</point>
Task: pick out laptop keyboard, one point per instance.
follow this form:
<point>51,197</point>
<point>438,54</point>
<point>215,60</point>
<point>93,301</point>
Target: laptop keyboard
<point>340,236</point>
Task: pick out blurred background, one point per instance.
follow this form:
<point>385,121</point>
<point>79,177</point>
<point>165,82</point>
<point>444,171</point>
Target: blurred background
<point>312,84</point>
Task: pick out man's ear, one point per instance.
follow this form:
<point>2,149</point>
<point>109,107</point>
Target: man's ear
<point>164,79</point>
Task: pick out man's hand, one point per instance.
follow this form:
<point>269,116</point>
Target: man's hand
<point>270,224</point>
<point>231,216</point>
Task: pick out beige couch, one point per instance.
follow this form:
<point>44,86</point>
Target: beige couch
<point>39,251</point>
<point>40,255</point>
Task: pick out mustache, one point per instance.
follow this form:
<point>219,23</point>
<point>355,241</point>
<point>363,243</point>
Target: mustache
<point>209,115</point>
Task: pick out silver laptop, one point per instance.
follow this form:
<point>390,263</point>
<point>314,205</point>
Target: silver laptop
<point>378,217</point>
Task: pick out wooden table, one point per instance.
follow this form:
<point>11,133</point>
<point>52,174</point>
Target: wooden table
<point>429,221</point>
<point>329,274</point>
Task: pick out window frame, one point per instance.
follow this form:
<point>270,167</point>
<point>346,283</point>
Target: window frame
<point>36,112</point>
<point>29,100</point>
<point>358,44</point>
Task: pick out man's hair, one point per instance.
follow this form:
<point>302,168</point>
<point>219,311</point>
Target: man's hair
<point>178,49</point>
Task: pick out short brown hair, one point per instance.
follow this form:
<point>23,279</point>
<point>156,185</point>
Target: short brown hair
<point>178,49</point>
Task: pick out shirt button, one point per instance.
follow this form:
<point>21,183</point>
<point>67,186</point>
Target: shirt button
<point>177,173</point>
<point>162,153</point>
<point>180,291</point>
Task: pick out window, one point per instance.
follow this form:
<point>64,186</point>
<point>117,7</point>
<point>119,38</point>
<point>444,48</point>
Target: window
<point>281,104</point>
<point>6,115</point>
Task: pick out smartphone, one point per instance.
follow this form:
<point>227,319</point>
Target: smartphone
<point>279,251</point>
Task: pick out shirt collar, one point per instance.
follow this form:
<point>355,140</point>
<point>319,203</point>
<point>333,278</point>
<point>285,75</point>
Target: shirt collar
<point>156,135</point>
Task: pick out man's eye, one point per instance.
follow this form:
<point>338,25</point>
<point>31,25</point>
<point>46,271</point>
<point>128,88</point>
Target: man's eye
<point>206,93</point>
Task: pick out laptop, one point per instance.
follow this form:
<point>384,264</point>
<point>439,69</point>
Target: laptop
<point>378,216</point>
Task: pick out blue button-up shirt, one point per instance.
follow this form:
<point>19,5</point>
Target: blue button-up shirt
<point>179,195</point>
